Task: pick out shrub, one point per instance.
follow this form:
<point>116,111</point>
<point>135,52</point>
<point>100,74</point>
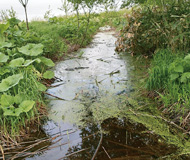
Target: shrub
<point>150,28</point>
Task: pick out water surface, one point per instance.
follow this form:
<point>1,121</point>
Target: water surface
<point>94,88</point>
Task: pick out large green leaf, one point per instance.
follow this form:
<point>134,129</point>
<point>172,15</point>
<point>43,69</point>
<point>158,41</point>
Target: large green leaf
<point>28,62</point>
<point>11,111</point>
<point>187,58</point>
<point>31,49</point>
<point>18,99</point>
<point>4,70</point>
<point>48,75</point>
<point>20,62</point>
<point>7,100</point>
<point>7,105</point>
<point>185,77</point>
<point>3,28</point>
<point>41,87</point>
<point>14,106</point>
<point>16,62</point>
<point>47,62</point>
<point>174,76</point>
<point>10,82</point>
<point>179,69</point>
<point>3,58</point>
<point>26,106</point>
<point>5,45</point>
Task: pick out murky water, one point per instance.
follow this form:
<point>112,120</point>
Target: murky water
<point>93,89</point>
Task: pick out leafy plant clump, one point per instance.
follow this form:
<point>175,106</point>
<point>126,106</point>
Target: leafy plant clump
<point>170,78</point>
<point>156,26</point>
<point>22,68</point>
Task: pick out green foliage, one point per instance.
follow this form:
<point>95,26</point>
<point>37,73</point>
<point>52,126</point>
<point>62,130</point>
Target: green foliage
<point>3,58</point>
<point>157,26</point>
<point>14,106</point>
<point>170,77</point>
<point>10,82</point>
<point>48,75</point>
<point>31,49</point>
<point>22,67</point>
<point>60,33</point>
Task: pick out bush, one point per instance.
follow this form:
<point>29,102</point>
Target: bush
<point>151,28</point>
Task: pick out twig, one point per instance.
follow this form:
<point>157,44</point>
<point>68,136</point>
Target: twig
<point>185,120</point>
<point>55,96</point>
<point>106,152</point>
<point>31,146</point>
<point>57,84</point>
<point>58,78</point>
<point>98,147</point>
<point>74,153</point>
<point>129,147</point>
<point>1,148</point>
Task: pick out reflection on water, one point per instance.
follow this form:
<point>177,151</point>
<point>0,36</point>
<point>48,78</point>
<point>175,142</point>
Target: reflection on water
<point>123,140</point>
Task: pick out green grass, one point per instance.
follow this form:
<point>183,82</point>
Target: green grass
<point>174,93</point>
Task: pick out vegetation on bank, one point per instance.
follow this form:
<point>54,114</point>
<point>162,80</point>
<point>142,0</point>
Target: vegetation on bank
<point>160,30</point>
<point>23,67</point>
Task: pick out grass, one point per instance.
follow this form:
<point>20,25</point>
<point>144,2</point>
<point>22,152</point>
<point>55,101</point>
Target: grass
<point>60,34</point>
<point>173,93</point>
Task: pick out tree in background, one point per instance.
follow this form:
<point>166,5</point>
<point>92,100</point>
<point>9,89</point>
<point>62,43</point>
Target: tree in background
<point>24,4</point>
<point>88,6</point>
<point>161,3</point>
<point>66,7</point>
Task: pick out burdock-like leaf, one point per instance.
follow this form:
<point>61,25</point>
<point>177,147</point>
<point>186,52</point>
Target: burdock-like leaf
<point>3,58</point>
<point>16,62</point>
<point>179,69</point>
<point>31,49</point>
<point>187,58</point>
<point>6,100</point>
<point>5,45</point>
<point>10,82</point>
<point>48,75</point>
<point>41,87</point>
<point>47,62</point>
<point>28,62</point>
<point>20,62</point>
<point>26,106</point>
<point>14,105</point>
<point>185,77</point>
<point>174,76</point>
<point>14,112</point>
<point>4,70</point>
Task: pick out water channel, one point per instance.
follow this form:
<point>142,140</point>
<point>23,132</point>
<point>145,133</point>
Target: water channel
<point>92,89</point>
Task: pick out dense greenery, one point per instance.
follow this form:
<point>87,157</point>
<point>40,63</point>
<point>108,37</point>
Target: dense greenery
<point>22,68</point>
<point>170,78</point>
<point>155,27</point>
<point>160,29</point>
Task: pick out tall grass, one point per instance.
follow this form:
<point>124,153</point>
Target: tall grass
<point>173,93</point>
